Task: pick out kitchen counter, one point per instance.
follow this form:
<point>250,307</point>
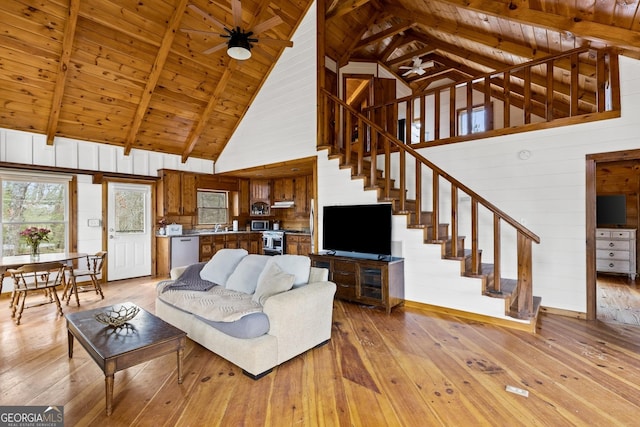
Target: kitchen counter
<point>207,233</point>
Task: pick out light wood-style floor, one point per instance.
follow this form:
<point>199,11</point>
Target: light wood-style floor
<point>618,299</point>
<point>407,369</point>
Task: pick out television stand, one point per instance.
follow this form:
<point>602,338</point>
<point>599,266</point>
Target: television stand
<point>377,282</point>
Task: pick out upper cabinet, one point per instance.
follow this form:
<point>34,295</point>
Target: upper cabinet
<point>284,189</point>
<point>260,196</point>
<point>176,193</point>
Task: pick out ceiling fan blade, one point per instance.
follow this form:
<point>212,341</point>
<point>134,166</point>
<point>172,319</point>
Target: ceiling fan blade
<point>407,73</point>
<point>404,67</point>
<point>215,48</point>
<point>420,71</point>
<point>268,24</point>
<point>275,42</point>
<point>207,17</point>
<point>236,9</point>
<point>417,61</point>
<point>427,64</point>
<point>201,33</point>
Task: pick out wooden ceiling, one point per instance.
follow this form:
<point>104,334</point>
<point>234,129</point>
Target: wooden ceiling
<point>123,72</point>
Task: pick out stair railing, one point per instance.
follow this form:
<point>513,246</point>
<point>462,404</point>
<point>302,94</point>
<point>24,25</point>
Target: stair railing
<point>372,138</point>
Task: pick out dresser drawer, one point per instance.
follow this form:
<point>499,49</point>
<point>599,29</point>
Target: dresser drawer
<point>603,234</point>
<point>618,266</point>
<point>608,255</point>
<point>616,245</point>
<point>622,234</point>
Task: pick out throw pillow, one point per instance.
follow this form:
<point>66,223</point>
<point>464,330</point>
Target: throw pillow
<point>298,265</point>
<point>245,277</point>
<point>273,282</point>
<point>220,267</point>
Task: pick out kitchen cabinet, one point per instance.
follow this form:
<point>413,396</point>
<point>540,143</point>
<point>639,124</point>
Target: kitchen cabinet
<point>244,197</point>
<point>260,190</point>
<point>298,244</point>
<point>283,189</point>
<point>176,193</point>
<point>212,243</point>
<point>367,281</point>
<point>303,192</point>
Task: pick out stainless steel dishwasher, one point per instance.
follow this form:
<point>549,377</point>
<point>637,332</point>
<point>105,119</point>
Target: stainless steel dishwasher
<point>185,250</point>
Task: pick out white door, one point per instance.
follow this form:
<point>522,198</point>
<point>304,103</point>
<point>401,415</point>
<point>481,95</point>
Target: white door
<point>129,230</point>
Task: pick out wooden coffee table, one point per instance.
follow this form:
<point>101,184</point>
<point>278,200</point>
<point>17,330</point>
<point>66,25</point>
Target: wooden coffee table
<point>143,338</point>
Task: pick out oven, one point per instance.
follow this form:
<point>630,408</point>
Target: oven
<point>273,242</point>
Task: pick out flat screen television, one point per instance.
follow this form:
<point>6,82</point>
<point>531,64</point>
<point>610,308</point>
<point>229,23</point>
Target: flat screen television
<point>364,229</point>
<point>611,210</point>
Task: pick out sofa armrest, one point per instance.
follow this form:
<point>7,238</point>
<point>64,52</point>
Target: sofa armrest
<point>177,271</point>
<point>301,318</point>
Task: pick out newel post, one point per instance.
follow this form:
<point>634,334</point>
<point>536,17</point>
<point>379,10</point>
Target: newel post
<point>525,278</point>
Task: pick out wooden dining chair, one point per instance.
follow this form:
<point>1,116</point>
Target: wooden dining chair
<point>92,269</point>
<point>44,277</point>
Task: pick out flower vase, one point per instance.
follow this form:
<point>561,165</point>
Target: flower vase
<point>35,251</point>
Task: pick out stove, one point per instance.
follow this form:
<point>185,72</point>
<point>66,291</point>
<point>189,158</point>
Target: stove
<point>273,242</point>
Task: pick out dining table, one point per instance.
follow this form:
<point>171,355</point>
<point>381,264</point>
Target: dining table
<point>16,261</point>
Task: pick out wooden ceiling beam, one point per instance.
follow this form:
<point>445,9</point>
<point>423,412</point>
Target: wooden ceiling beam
<point>484,38</point>
<point>154,75</point>
<point>194,136</point>
<point>518,11</point>
<point>381,35</point>
<point>397,41</point>
<point>357,37</point>
<point>344,8</point>
<point>409,56</point>
<point>61,79</point>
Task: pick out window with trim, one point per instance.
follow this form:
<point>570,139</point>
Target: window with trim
<point>480,119</point>
<point>213,207</point>
<point>33,201</point>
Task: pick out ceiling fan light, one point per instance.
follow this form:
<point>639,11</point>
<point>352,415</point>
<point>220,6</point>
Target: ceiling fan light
<point>239,48</point>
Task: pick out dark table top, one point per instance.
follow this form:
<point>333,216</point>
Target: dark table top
<point>145,329</point>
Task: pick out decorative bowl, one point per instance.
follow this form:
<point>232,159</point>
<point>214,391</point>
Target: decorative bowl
<point>117,318</point>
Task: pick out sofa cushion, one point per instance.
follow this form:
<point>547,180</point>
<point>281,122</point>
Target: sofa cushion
<point>251,325</point>
<point>298,265</point>
<point>273,281</point>
<point>220,267</point>
<point>217,304</point>
<point>245,277</point>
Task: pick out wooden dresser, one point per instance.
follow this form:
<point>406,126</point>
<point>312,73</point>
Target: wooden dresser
<point>616,251</point>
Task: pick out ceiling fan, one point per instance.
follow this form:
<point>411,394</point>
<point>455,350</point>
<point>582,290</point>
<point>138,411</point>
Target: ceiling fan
<point>417,67</point>
<point>239,41</point>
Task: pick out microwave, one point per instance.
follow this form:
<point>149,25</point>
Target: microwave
<point>259,224</point>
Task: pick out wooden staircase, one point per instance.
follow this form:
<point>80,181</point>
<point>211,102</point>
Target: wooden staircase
<point>485,272</point>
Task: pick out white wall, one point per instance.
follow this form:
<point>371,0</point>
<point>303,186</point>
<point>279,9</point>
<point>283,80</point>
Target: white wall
<point>31,149</point>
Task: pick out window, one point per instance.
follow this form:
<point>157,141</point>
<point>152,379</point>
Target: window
<point>33,201</point>
<point>213,207</point>
<point>480,119</point>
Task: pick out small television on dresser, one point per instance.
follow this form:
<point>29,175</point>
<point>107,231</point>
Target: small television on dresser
<point>611,210</point>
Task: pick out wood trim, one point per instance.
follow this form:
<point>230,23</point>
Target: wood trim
<point>518,325</point>
<point>590,212</point>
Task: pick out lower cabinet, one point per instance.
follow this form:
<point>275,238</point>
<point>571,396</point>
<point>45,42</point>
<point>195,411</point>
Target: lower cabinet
<point>298,244</point>
<point>373,282</point>
<point>212,243</point>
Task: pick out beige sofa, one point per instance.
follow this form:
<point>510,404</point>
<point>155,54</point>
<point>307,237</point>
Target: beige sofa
<point>298,319</point>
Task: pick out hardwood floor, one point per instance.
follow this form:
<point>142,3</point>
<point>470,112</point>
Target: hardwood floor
<point>409,368</point>
<point>618,299</point>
